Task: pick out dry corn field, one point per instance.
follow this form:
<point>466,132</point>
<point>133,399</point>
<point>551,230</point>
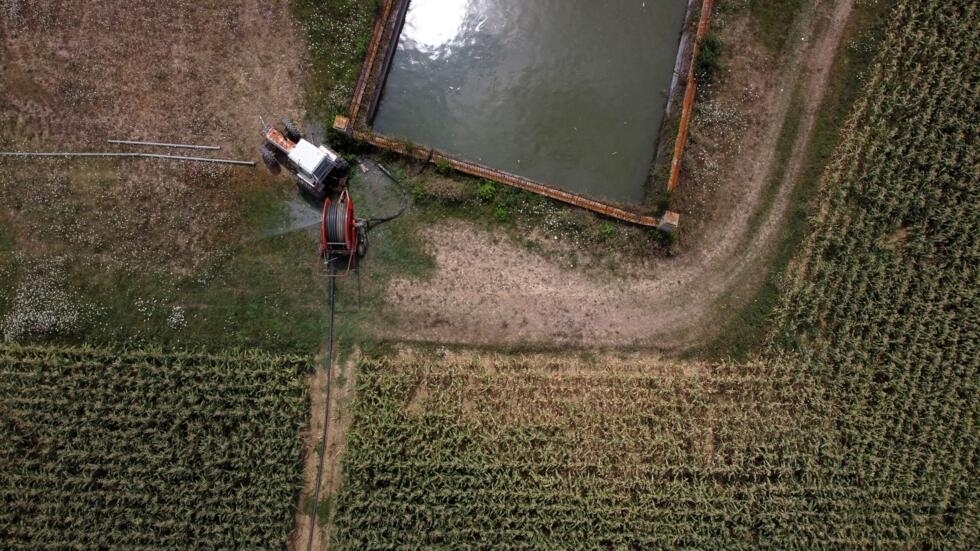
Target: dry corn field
<point>858,428</point>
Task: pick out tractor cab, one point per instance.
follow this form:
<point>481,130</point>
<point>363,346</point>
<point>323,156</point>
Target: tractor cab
<point>318,168</point>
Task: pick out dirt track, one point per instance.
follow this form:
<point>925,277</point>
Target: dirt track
<point>489,291</point>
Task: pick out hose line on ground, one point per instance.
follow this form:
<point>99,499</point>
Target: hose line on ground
<point>372,223</point>
<point>326,410</point>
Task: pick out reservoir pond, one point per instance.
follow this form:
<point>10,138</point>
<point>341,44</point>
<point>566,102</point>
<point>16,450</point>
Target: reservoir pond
<point>570,93</point>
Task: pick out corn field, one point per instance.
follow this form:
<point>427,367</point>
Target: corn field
<point>504,452</point>
<point>143,450</point>
<point>858,428</point>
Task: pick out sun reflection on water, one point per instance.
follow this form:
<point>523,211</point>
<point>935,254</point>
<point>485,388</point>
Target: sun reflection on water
<point>435,26</point>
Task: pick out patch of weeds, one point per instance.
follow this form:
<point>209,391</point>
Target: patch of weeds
<point>419,193</point>
<point>607,231</point>
<point>709,64</point>
<point>323,509</point>
<point>665,239</point>
<point>486,192</point>
<point>443,168</point>
<point>501,214</point>
<point>448,191</point>
<point>657,199</point>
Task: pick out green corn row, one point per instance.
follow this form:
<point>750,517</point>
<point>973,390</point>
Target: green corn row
<point>146,450</point>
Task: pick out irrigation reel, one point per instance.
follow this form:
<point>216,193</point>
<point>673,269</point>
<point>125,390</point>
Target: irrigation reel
<point>322,174</point>
<point>343,237</point>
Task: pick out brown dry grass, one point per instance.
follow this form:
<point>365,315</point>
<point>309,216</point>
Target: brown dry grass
<point>644,404</point>
<point>75,73</point>
<point>181,70</point>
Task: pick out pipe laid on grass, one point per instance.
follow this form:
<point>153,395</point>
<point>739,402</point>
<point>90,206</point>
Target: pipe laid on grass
<point>127,155</point>
<point>158,144</point>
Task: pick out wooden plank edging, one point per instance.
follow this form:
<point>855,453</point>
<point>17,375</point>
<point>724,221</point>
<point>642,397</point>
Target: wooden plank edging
<point>689,95</point>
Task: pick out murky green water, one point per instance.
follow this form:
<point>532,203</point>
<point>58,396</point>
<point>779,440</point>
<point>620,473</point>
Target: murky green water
<point>567,92</point>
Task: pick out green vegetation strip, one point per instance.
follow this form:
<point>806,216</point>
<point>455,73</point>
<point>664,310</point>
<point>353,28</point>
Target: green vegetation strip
<point>857,429</point>
<point>338,33</point>
<point>143,450</point>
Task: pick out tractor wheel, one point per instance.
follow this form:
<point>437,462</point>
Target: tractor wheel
<point>342,166</point>
<point>269,158</point>
<point>290,130</point>
<point>362,242</point>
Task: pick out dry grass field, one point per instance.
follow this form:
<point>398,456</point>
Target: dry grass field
<point>79,73</point>
<point>146,250</point>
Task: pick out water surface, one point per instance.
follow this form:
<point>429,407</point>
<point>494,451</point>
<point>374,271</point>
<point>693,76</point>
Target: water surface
<point>570,93</point>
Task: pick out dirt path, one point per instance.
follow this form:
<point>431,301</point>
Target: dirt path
<point>311,455</point>
<point>341,392</point>
<point>490,291</point>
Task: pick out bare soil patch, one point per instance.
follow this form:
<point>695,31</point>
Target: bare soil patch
<point>491,291</point>
<point>311,453</point>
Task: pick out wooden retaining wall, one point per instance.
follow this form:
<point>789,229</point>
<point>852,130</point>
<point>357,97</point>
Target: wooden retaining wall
<point>481,171</point>
<point>690,92</point>
<point>369,70</point>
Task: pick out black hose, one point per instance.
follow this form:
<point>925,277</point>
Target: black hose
<point>426,163</point>
<point>372,223</point>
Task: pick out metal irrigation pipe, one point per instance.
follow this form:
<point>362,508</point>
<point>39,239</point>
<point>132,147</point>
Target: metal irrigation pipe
<point>173,145</point>
<point>129,155</point>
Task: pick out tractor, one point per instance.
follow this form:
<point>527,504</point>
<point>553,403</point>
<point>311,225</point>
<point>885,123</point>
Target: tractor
<point>321,176</point>
<point>320,171</point>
